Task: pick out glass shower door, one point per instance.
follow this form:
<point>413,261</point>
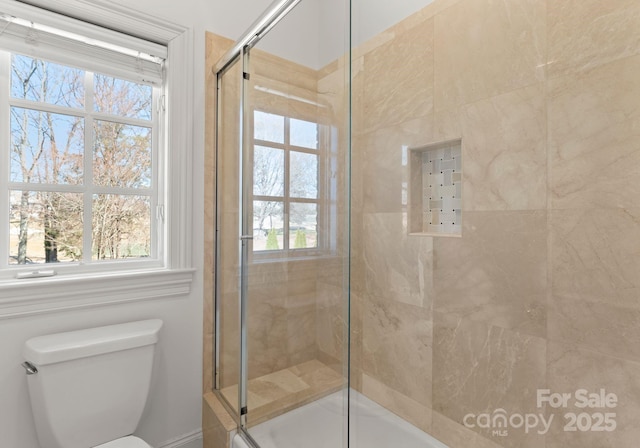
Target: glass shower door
<point>292,246</point>
<point>282,252</point>
<point>297,287</point>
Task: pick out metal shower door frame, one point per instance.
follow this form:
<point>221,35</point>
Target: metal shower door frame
<point>240,54</point>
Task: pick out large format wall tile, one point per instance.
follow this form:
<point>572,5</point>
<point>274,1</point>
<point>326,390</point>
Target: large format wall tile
<point>593,137</point>
<point>267,344</point>
<point>496,273</point>
<point>586,33</point>
<point>595,259</point>
<point>384,163</point>
<point>479,368</point>
<point>397,347</point>
<point>595,255</point>
<point>330,321</point>
<point>570,369</point>
<point>504,151</point>
<point>597,326</point>
<point>301,329</point>
<point>333,93</point>
<point>358,95</point>
<point>355,326</point>
<point>398,78</point>
<point>229,337</point>
<point>397,267</point>
<point>486,47</point>
<point>270,66</point>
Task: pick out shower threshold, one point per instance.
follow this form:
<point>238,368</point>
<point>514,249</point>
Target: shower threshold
<point>322,424</point>
<point>279,392</point>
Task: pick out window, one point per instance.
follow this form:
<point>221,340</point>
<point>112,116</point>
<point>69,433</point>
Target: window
<point>82,145</point>
<point>160,266</point>
<point>286,189</point>
<point>82,154</point>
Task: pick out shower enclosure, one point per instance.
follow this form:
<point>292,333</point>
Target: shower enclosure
<point>428,224</point>
<point>282,222</point>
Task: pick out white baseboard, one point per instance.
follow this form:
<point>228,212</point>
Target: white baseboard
<point>190,440</point>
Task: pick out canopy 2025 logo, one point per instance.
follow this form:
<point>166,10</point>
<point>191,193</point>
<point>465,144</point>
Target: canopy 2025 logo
<point>594,418</point>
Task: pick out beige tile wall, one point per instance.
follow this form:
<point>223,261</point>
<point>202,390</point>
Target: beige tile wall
<point>282,312</point>
<point>542,289</point>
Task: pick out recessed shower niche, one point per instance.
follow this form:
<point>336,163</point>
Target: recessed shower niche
<point>435,189</point>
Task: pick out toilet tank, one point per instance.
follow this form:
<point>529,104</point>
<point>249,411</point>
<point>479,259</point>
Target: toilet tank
<point>91,385</point>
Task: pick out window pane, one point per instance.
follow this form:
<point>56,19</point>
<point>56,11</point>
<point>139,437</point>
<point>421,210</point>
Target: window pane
<point>46,147</point>
<point>268,171</point>
<point>304,133</point>
<point>37,80</point>
<point>121,227</point>
<point>122,155</point>
<point>303,175</point>
<point>268,127</point>
<point>303,225</point>
<point>45,227</point>
<point>124,98</point>
<point>268,225</point>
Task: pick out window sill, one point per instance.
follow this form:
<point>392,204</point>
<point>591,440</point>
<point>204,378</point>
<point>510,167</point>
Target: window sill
<point>288,257</point>
<point>47,295</point>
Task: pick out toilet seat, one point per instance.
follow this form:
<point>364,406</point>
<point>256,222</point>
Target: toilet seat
<point>125,442</point>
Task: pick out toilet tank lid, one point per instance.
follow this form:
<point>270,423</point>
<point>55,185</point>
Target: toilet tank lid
<point>59,347</point>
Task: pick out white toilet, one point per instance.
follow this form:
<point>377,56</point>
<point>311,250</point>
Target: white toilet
<point>88,388</point>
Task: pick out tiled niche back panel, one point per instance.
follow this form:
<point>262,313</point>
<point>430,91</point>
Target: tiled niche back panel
<point>436,176</point>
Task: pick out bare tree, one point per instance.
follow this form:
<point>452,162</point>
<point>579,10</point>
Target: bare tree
<point>48,148</point>
<point>122,158</point>
<point>268,180</point>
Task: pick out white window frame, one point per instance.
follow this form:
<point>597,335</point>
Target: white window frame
<point>122,281</point>
<point>87,188</point>
<point>324,236</point>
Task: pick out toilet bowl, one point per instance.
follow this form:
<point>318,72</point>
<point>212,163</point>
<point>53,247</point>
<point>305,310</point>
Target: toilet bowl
<point>107,369</point>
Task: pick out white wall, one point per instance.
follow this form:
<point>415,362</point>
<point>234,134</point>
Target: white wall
<point>316,33</point>
<point>371,17</point>
<point>230,18</point>
<point>174,404</point>
<point>296,37</point>
<point>174,407</point>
